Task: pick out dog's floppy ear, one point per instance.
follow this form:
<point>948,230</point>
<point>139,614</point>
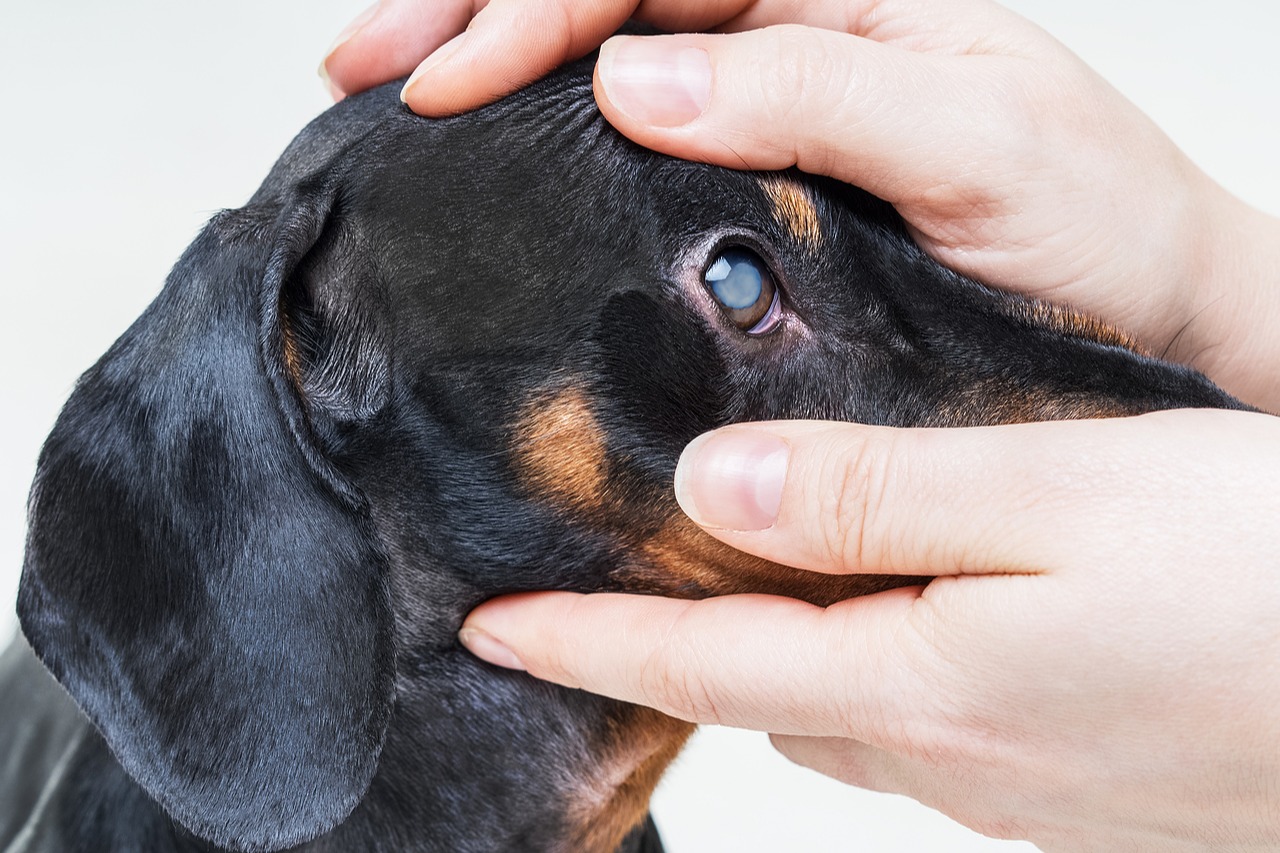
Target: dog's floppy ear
<point>200,579</point>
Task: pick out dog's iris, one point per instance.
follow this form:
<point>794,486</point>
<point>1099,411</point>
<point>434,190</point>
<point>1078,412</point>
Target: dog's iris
<point>742,284</point>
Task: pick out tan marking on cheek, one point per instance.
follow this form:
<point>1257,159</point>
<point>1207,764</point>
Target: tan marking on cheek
<point>794,209</point>
<point>637,747</point>
<point>560,450</point>
<point>683,561</point>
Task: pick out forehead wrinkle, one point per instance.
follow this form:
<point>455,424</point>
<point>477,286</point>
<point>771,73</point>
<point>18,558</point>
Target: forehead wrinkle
<point>794,209</point>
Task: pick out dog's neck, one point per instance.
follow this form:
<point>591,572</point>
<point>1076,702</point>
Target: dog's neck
<point>482,759</point>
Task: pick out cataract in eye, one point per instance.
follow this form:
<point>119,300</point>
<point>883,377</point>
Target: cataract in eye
<point>741,283</point>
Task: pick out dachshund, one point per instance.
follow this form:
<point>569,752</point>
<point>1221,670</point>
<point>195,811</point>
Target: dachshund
<point>430,362</point>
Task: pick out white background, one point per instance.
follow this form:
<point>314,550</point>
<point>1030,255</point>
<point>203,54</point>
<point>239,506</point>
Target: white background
<point>124,125</point>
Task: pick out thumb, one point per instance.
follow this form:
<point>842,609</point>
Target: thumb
<point>1013,499</point>
<point>895,122</point>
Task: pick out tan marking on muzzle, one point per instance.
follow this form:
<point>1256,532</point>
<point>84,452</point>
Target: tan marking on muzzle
<point>995,402</point>
<point>681,560</point>
<point>1068,321</point>
<point>1009,399</point>
<point>794,209</point>
<point>560,450</point>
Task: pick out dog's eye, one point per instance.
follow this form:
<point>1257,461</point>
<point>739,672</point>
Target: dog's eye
<point>742,284</point>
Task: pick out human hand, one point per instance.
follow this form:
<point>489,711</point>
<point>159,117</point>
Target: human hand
<point>1010,159</point>
<point>1097,666</point>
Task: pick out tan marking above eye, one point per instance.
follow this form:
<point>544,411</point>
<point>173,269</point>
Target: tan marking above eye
<point>559,449</point>
<point>794,209</point>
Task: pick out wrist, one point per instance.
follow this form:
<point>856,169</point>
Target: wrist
<point>1232,308</point>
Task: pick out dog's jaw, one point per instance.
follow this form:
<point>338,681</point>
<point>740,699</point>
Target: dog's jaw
<point>619,779</point>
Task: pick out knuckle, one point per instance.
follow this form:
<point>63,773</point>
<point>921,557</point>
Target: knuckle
<point>798,62</point>
<point>920,704</point>
<point>1001,140</point>
<point>554,658</point>
<point>802,82</point>
<point>855,532</point>
<point>976,811</point>
<point>1002,827</point>
<point>669,682</point>
<point>847,760</point>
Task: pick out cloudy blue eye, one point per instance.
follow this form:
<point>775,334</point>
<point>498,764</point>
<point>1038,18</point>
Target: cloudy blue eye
<point>743,286</point>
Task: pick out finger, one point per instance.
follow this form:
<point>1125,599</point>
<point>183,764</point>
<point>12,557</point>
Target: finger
<point>954,27</point>
<point>510,44</point>
<point>909,127</point>
<point>960,789</point>
<point>389,39</point>
<point>513,42</point>
<point>1010,499</point>
<point>506,45</point>
<point>855,669</point>
<point>850,761</point>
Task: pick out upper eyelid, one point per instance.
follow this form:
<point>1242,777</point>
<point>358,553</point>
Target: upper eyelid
<point>748,241</point>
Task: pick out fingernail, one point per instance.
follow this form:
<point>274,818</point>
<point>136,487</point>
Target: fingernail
<point>350,30</point>
<point>488,649</point>
<point>656,80</point>
<point>732,479</point>
<point>334,92</point>
<point>343,37</point>
<point>437,58</point>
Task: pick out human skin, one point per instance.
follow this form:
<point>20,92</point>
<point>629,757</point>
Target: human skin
<point>1098,664</point>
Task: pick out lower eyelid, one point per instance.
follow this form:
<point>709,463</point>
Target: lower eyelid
<point>771,318</point>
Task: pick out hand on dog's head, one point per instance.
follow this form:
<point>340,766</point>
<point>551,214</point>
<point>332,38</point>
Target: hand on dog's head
<point>434,361</point>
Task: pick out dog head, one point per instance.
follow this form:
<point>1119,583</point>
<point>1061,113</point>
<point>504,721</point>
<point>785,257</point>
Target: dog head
<point>434,361</point>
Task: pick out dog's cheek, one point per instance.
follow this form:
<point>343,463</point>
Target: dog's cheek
<point>661,382</point>
<point>560,451</point>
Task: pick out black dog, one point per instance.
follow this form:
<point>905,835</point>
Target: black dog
<point>430,362</point>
